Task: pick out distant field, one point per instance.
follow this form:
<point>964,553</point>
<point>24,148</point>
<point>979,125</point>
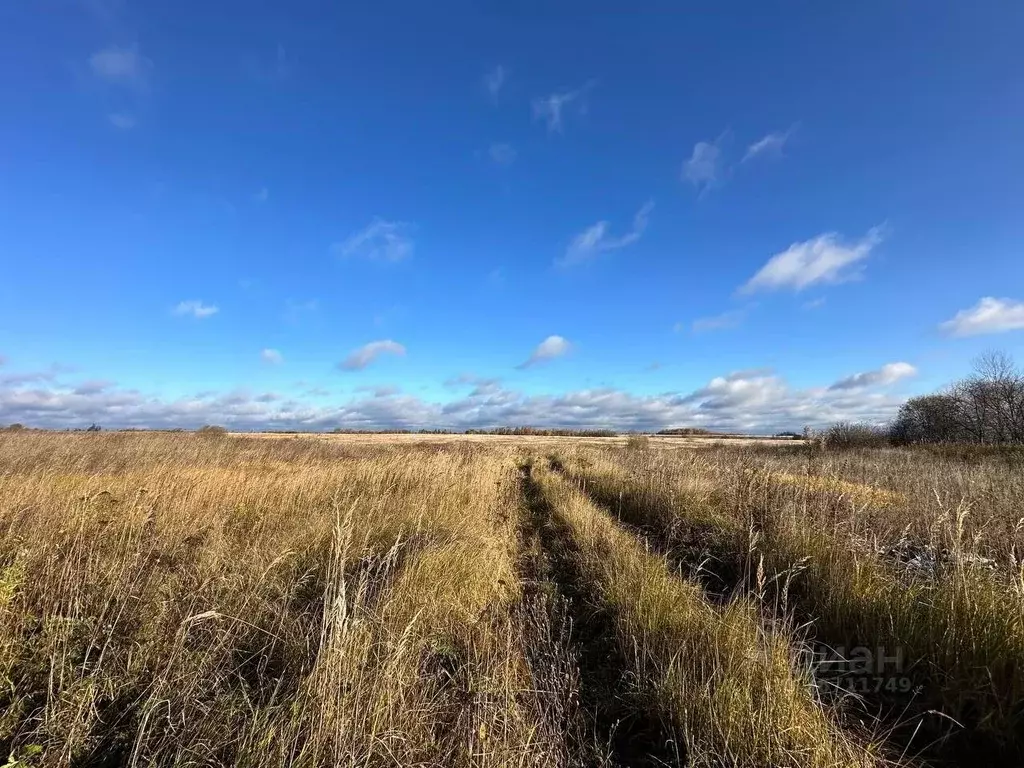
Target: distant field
<point>661,441</point>
<point>433,600</point>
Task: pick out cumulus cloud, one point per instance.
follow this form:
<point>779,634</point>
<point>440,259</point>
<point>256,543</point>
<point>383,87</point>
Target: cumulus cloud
<point>824,259</point>
<point>889,373</point>
<point>272,356</point>
<point>366,354</point>
<point>122,66</point>
<point>195,308</point>
<point>502,154</point>
<point>549,349</point>
<point>703,168</point>
<point>720,322</point>
<point>380,240</point>
<point>595,239</point>
<point>989,315</point>
<point>744,401</point>
<point>771,144</point>
<point>549,109</point>
<point>494,81</point>
<point>122,120</point>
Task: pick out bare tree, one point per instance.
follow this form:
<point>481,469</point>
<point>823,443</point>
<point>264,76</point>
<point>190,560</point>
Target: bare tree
<point>985,407</point>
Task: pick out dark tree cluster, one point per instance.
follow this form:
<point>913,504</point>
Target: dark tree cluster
<point>987,407</point>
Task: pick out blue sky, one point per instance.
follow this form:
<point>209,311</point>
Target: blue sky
<point>313,214</point>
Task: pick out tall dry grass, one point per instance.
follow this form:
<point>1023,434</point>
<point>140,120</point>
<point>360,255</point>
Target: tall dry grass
<point>172,599</point>
<point>861,556</point>
<point>719,674</point>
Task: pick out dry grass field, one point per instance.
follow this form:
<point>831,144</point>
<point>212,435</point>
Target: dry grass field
<point>177,599</point>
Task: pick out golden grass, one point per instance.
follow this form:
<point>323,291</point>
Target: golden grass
<point>178,599</point>
<point>171,600</point>
<point>854,579</point>
<point>726,681</point>
<point>857,493</point>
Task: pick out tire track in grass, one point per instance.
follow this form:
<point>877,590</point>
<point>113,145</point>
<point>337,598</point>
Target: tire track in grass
<point>722,677</point>
<point>612,723</point>
<point>842,610</point>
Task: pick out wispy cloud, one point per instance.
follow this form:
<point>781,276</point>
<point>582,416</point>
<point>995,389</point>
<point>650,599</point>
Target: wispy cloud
<point>122,120</point>
<point>496,277</point>
<point>50,374</point>
<point>989,315</point>
<point>771,144</point>
<point>889,373</point>
<point>380,390</point>
<point>381,240</point>
<point>550,108</point>
<point>502,154</point>
<point>92,387</point>
<point>366,354</point>
<point>282,65</point>
<point>262,195</point>
<point>122,66</point>
<point>703,169</point>
<point>494,81</point>
<point>814,303</point>
<point>295,311</point>
<point>549,349</point>
<point>824,259</point>
<point>272,356</point>
<point>720,322</point>
<point>195,308</point>
<point>595,239</point>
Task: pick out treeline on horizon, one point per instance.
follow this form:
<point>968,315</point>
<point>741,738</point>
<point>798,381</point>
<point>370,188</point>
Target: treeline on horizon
<point>984,408</point>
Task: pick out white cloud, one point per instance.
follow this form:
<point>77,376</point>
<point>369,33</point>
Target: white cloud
<point>720,322</point>
<point>815,303</point>
<point>366,354</point>
<point>502,154</point>
<point>702,169</point>
<point>122,120</point>
<point>771,144</point>
<point>381,240</point>
<point>550,108</point>
<point>595,239</point>
<point>123,66</point>
<point>989,315</point>
<point>195,308</point>
<point>744,401</point>
<point>271,356</point>
<point>821,260</point>
<point>494,81</point>
<point>889,373</point>
<point>262,195</point>
<point>549,349</point>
